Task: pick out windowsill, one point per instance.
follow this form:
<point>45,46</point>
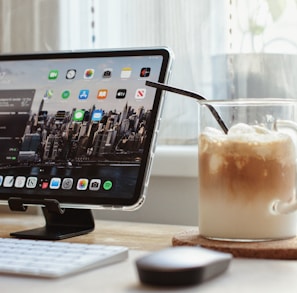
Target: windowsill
<point>175,161</point>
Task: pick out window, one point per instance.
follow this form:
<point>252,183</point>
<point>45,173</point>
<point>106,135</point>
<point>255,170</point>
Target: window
<point>259,57</point>
<point>223,49</point>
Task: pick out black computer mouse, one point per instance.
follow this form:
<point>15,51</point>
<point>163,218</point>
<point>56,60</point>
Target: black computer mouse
<point>181,266</point>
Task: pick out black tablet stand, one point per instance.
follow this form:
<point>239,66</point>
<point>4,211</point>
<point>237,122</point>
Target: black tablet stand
<point>59,223</point>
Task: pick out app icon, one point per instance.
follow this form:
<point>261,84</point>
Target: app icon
<point>65,94</point>
<point>1,180</point>
<point>31,182</point>
<point>140,94</point>
<point>78,115</point>
<point>102,94</point>
<point>53,74</point>
<point>145,72</point>
<point>71,73</point>
<point>83,94</point>
<point>95,184</point>
<point>67,183</point>
<point>107,185</point>
<point>44,184</point>
<point>97,115</point>
<point>121,94</point>
<point>107,73</point>
<point>48,94</point>
<point>82,184</point>
<point>8,181</point>
<point>89,73</point>
<point>55,183</point>
<point>126,72</point>
<point>20,182</point>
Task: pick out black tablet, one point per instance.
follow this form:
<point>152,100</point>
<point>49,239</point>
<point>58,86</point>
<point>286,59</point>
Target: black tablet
<point>80,127</point>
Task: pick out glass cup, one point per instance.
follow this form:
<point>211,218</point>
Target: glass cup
<point>247,176</point>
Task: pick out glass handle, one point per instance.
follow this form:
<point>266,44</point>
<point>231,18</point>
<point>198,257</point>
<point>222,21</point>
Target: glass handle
<point>286,207</point>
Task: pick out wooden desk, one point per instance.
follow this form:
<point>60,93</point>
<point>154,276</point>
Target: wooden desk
<point>244,275</point>
<point>137,236</point>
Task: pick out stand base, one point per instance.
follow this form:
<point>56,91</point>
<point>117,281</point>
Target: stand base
<point>70,223</point>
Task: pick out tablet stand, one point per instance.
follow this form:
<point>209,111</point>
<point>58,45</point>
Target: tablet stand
<point>59,223</point>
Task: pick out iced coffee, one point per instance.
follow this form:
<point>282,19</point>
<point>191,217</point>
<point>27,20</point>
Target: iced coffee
<point>241,176</point>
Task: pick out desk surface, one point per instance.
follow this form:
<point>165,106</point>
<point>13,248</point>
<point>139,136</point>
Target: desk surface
<point>244,275</point>
<point>136,236</point>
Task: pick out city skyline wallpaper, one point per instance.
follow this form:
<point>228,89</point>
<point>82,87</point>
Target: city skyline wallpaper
<point>83,136</point>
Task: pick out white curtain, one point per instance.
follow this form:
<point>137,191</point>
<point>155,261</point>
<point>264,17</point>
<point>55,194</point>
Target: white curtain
<point>30,25</point>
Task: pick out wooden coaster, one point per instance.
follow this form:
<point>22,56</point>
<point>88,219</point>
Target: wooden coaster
<point>278,249</point>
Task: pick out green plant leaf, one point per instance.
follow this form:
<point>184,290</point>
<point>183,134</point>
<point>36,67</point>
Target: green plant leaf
<point>255,28</point>
<point>276,8</point>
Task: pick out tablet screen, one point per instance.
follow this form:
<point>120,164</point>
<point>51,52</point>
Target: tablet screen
<point>79,127</point>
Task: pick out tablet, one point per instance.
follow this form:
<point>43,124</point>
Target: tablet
<point>80,127</point>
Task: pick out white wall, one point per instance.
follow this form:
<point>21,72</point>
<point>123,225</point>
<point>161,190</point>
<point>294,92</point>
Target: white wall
<point>170,200</point>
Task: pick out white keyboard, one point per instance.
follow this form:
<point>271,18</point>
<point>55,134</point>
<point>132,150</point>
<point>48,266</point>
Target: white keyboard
<point>50,259</point>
